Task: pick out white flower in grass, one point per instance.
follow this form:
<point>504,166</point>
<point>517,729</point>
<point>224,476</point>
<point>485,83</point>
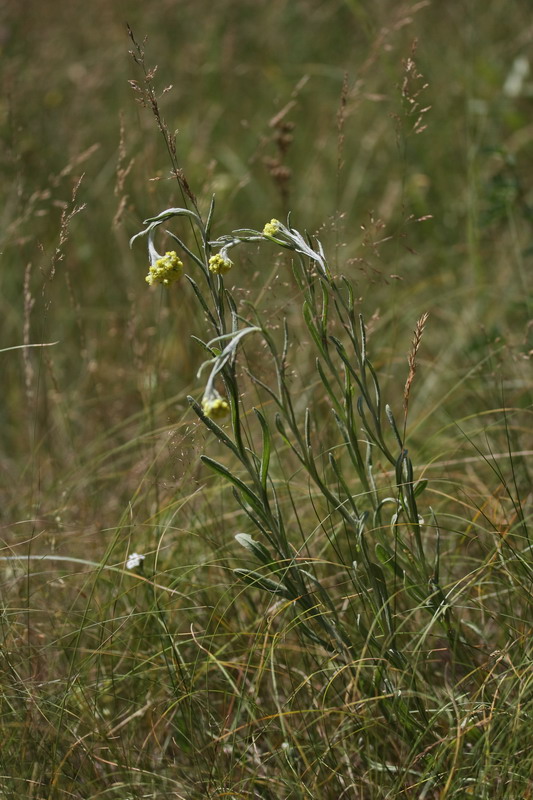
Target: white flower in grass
<point>134,560</point>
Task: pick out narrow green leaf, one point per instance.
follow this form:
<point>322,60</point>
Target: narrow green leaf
<point>379,585</point>
<point>389,560</point>
<point>420,487</point>
<point>209,219</point>
<point>307,427</point>
<point>313,636</point>
<point>313,330</point>
<point>265,456</point>
<point>340,477</point>
<point>324,315</point>
<point>219,468</point>
<point>212,425</point>
<point>392,423</point>
<point>256,548</point>
<point>333,396</point>
<point>255,579</point>
<point>363,338</point>
<point>201,300</point>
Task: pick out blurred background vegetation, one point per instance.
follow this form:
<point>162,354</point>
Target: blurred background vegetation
<point>68,111</point>
<point>400,132</point>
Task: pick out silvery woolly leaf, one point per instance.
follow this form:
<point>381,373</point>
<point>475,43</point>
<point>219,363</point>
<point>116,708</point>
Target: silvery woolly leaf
<point>256,548</point>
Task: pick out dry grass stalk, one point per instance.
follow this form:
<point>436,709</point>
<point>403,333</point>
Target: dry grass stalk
<point>122,172</point>
<point>417,338</point>
<point>29,302</point>
<point>147,97</point>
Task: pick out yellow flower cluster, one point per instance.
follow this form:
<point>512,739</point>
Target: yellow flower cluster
<point>219,265</point>
<point>271,228</point>
<point>215,407</point>
<point>166,269</point>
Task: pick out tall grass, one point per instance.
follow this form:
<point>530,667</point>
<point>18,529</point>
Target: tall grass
<point>332,596</point>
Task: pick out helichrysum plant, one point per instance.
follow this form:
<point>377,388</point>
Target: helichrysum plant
<point>386,550</point>
<point>379,670</point>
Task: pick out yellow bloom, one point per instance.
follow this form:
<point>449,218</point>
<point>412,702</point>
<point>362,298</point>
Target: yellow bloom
<point>215,407</point>
<point>219,265</point>
<point>165,270</point>
<point>271,228</point>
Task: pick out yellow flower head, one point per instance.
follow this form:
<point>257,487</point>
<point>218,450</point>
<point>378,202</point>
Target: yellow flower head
<point>271,228</point>
<point>219,265</point>
<point>165,270</point>
<point>215,407</point>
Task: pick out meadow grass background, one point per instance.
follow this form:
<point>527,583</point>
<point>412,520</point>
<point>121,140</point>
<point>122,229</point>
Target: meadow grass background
<point>177,680</point>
